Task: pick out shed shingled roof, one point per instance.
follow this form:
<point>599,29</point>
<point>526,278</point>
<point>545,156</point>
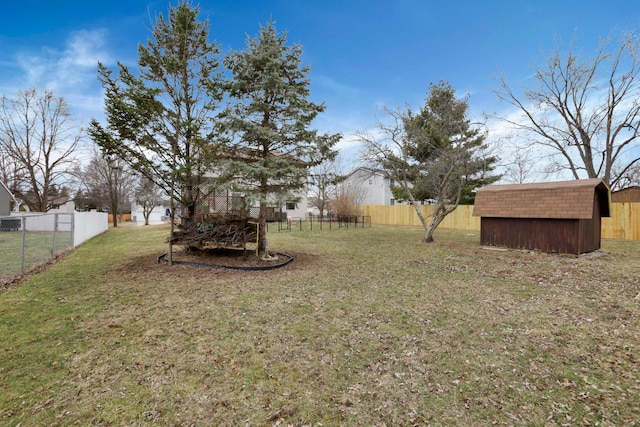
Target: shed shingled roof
<point>562,200</point>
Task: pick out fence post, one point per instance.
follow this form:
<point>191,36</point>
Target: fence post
<point>53,239</point>
<point>73,229</point>
<point>24,231</point>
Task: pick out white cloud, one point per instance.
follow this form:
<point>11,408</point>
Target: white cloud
<point>326,83</point>
<point>70,71</point>
<point>75,67</point>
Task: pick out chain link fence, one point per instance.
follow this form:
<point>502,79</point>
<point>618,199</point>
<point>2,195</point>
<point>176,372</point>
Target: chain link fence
<point>311,223</point>
<point>29,240</point>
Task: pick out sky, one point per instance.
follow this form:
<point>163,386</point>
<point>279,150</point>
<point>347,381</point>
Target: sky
<point>365,56</point>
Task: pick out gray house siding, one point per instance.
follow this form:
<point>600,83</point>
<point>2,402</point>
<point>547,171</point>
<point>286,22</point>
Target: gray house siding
<point>5,200</point>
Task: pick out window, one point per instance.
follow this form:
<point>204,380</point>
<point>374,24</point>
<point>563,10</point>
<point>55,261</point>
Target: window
<point>392,202</point>
<point>291,206</point>
<point>392,182</point>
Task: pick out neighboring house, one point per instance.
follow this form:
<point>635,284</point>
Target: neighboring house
<point>61,204</point>
<point>297,209</point>
<point>277,209</point>
<point>158,214</point>
<point>5,199</point>
<point>370,187</point>
<point>226,202</point>
<point>562,217</point>
<point>57,204</point>
<point>627,195</point>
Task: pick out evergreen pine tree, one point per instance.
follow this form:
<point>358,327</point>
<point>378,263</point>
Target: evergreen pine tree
<point>269,118</point>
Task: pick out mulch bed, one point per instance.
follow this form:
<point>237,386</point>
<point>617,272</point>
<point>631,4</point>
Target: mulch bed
<point>238,259</point>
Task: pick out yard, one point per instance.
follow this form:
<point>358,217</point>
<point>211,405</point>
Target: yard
<point>38,248</point>
<point>367,327</point>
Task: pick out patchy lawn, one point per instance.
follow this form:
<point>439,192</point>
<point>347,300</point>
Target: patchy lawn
<point>366,327</point>
<point>39,247</point>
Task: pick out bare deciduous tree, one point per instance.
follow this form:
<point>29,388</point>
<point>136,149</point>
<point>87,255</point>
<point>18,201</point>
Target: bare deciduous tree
<point>148,196</point>
<point>324,179</point>
<point>521,167</point>
<point>39,139</point>
<point>586,112</point>
<point>630,178</point>
<point>109,183</point>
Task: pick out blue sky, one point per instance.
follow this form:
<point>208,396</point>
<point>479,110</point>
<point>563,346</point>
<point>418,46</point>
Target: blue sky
<point>364,55</point>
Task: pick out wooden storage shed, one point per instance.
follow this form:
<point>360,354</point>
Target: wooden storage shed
<point>562,217</point>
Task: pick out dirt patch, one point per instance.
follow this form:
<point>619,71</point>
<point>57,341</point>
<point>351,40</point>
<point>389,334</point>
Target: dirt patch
<point>140,267</point>
<point>237,259</point>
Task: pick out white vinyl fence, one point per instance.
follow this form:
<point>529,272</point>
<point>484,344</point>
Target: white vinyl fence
<point>29,239</point>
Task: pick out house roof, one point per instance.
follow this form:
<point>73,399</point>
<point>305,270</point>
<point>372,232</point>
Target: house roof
<point>562,200</point>
<point>246,154</point>
<point>368,171</point>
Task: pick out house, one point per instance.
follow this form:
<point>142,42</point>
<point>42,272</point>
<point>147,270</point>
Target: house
<point>373,187</point>
<point>562,217</point>
<point>626,195</point>
<point>296,207</point>
<point>157,215</point>
<point>7,224</point>
<point>280,207</point>
<point>5,199</point>
<point>225,201</point>
<point>370,187</point>
<point>61,204</point>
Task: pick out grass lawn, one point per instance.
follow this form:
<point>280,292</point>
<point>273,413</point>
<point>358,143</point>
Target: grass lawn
<point>37,250</point>
<point>367,327</point>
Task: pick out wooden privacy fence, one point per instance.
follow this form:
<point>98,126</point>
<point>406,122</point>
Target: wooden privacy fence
<point>624,222</point>
<point>121,218</point>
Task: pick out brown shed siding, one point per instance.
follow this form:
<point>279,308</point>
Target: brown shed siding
<point>552,217</point>
<point>549,235</point>
<point>591,229</point>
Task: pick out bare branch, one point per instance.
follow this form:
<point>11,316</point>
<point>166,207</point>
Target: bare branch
<point>584,111</point>
<point>39,140</point>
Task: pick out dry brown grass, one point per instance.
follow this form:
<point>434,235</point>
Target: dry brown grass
<point>366,327</point>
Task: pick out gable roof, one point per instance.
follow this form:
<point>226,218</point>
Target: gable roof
<point>368,172</point>
<point>562,200</point>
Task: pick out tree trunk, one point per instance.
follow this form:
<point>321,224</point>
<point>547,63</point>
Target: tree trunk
<point>262,229</point>
<point>428,237</point>
<point>439,213</point>
<point>428,227</point>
